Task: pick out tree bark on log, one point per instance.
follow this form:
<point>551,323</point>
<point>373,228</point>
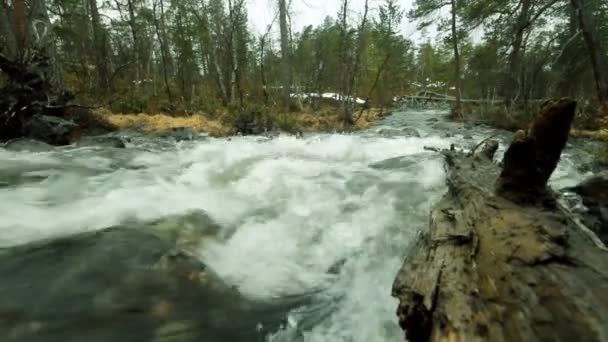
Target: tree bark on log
<point>497,265</point>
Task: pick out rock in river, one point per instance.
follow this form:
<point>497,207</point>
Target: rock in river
<point>124,284</point>
<point>180,134</point>
<point>594,192</point>
<point>50,129</point>
<point>404,132</point>
<point>102,141</point>
<point>29,145</point>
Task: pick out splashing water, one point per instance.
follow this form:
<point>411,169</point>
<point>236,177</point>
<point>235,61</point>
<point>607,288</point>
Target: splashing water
<point>329,214</point>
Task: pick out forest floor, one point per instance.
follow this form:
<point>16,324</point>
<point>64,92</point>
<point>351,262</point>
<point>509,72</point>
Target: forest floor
<point>222,125</point>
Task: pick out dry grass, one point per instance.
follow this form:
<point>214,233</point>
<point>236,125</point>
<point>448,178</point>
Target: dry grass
<point>311,121</point>
<point>368,118</point>
<point>600,134</point>
<point>163,122</point>
<point>330,119</point>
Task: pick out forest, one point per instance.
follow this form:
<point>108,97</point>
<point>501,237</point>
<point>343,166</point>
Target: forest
<point>201,56</point>
<point>422,170</point>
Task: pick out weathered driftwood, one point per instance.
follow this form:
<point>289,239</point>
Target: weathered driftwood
<point>497,265</point>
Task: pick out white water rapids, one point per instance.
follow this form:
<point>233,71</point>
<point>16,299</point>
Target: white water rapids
<point>329,213</point>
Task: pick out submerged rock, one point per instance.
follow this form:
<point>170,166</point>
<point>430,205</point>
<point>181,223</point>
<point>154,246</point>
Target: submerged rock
<point>411,132</point>
<point>102,141</point>
<point>253,123</point>
<point>396,163</point>
<point>594,193</point>
<point>180,134</point>
<point>124,284</point>
<point>27,145</point>
<point>390,132</point>
<point>443,126</point>
<point>51,130</point>
<point>396,132</point>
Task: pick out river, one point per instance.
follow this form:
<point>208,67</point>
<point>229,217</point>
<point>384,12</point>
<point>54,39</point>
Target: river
<point>329,214</point>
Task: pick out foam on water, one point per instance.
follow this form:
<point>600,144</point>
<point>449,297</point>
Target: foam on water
<point>299,215</point>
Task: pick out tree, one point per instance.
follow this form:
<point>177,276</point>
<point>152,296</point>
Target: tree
<point>345,47</point>
<point>391,53</point>
<point>425,8</point>
<point>356,67</point>
<point>457,76</point>
<point>513,21</point>
<point>285,52</point>
<point>20,23</point>
<point>100,44</point>
<point>8,40</point>
<point>164,52</point>
<point>594,45</point>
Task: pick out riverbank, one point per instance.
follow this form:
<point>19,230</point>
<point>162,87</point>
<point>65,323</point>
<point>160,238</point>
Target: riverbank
<point>520,117</point>
<point>224,123</point>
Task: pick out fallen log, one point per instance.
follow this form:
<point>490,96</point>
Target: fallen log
<point>502,261</point>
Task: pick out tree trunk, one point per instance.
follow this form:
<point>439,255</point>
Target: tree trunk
<point>596,50</point>
<point>235,17</point>
<point>457,76</point>
<point>569,59</point>
<point>212,59</point>
<point>352,85</point>
<point>99,41</point>
<point>285,53</point>
<point>505,261</point>
<point>513,80</point>
<point>20,25</point>
<point>43,36</point>
<point>139,61</point>
<point>263,69</point>
<point>7,34</point>
<point>163,51</point>
<point>347,116</point>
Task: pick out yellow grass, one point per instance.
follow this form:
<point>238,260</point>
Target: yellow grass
<point>326,119</point>
<point>600,134</point>
<point>163,122</point>
<point>368,118</point>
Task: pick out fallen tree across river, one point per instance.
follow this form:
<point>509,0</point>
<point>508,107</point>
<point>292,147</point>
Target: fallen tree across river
<point>502,260</point>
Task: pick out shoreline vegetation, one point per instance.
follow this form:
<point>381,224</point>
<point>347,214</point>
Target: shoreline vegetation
<point>224,123</point>
<point>221,122</point>
<point>590,122</point>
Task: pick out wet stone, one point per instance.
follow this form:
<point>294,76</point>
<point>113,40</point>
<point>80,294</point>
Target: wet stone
<point>102,141</point>
<point>27,145</point>
<point>122,284</point>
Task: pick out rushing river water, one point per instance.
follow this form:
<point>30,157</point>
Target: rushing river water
<point>328,214</point>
